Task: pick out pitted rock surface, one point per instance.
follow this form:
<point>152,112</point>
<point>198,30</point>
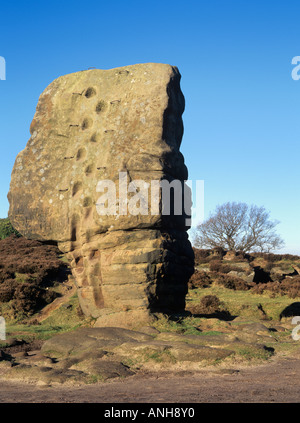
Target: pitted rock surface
<point>88,127</point>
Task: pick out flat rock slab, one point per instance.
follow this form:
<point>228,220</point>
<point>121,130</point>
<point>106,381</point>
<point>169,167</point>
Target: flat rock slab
<point>90,339</point>
<point>99,371</point>
<point>45,375</point>
<point>256,328</point>
<point>88,355</point>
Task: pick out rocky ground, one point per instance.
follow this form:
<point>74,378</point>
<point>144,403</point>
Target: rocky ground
<point>233,344</point>
<point>275,382</point>
<point>93,355</point>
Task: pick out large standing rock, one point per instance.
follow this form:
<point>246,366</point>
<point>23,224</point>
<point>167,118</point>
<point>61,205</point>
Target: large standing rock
<point>88,127</point>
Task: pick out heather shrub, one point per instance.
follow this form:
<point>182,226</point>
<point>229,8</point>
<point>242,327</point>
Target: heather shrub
<point>201,256</point>
<point>7,290</point>
<point>206,255</point>
<point>241,256</point>
<point>231,282</point>
<point>269,266</point>
<point>215,266</point>
<point>27,269</point>
<point>219,252</point>
<point>218,266</point>
<point>199,280</point>
<point>270,257</point>
<point>210,305</point>
<point>20,255</point>
<point>288,286</point>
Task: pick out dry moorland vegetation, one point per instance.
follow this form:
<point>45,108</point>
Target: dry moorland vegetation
<point>238,310</point>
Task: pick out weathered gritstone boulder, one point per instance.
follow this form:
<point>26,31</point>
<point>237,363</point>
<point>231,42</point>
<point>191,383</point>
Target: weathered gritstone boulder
<point>88,127</point>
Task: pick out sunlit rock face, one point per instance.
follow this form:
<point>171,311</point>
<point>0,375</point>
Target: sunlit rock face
<point>130,257</point>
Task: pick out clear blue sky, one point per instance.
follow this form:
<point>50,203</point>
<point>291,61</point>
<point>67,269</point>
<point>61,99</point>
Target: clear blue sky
<point>242,114</point>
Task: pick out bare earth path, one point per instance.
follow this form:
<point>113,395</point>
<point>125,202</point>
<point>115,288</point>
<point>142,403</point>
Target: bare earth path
<point>277,382</point>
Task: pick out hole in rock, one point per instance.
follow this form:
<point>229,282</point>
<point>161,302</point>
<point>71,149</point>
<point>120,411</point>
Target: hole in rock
<point>79,262</point>
<point>81,153</point>
<point>87,212</point>
<point>95,138</point>
<point>89,169</point>
<point>76,188</point>
<point>86,124</point>
<point>87,202</point>
<point>90,92</point>
<point>95,254</point>
<point>74,224</point>
<point>73,233</point>
<point>100,106</point>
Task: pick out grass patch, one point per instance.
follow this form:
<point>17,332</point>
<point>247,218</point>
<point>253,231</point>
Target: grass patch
<point>43,331</point>
<point>159,357</point>
<point>183,325</point>
<point>64,319</point>
<point>253,352</point>
<point>6,229</point>
<point>244,303</point>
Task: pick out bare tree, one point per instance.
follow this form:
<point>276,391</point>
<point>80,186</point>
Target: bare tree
<point>238,227</point>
